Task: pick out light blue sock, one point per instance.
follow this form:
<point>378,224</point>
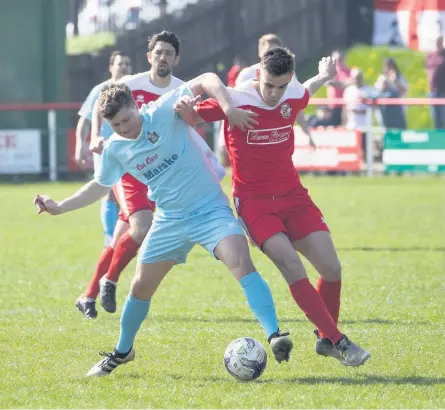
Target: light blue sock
<point>109,211</point>
<point>133,314</point>
<point>260,300</point>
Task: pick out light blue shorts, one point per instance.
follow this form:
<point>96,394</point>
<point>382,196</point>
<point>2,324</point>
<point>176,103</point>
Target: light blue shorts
<point>173,238</point>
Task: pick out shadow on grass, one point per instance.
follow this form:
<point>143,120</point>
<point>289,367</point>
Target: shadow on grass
<point>391,249</point>
<point>363,380</point>
<point>237,319</point>
<point>366,380</point>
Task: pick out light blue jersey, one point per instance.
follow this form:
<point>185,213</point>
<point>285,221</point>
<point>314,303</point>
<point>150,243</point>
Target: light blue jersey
<point>86,110</point>
<point>164,157</point>
<point>191,207</point>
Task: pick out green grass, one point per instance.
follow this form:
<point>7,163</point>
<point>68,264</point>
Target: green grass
<point>89,44</point>
<point>412,65</point>
<point>390,237</point>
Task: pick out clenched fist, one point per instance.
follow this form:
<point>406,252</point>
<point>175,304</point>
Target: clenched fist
<point>327,68</point>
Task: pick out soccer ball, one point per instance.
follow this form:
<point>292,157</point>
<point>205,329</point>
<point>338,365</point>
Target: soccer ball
<point>245,359</point>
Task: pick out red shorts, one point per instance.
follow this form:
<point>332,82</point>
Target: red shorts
<point>292,213</point>
<point>132,196</point>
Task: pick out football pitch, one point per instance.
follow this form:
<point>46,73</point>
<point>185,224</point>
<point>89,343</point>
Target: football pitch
<point>390,236</point>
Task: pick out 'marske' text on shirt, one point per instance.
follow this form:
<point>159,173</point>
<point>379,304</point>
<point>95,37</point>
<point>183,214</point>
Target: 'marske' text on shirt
<point>166,163</point>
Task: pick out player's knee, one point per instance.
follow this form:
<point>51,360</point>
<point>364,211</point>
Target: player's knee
<point>290,267</point>
<point>244,264</point>
<point>240,263</point>
<point>140,230</point>
<point>332,271</point>
<point>139,289</point>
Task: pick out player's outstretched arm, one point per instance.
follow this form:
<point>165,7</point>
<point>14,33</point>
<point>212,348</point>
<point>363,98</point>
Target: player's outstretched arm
<point>82,131</point>
<point>326,71</point>
<point>97,141</point>
<point>211,84</point>
<point>302,122</point>
<point>88,194</point>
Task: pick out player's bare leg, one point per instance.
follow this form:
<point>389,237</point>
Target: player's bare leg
<point>233,251</point>
<point>318,248</point>
<point>126,249</point>
<point>121,228</point>
<point>281,252</point>
<point>147,279</point>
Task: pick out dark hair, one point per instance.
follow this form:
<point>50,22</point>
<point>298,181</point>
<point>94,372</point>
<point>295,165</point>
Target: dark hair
<point>114,54</point>
<point>167,37</point>
<point>278,61</point>
<point>113,98</point>
<point>391,62</point>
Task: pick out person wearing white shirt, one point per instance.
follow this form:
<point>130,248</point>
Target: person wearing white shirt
<point>356,112</point>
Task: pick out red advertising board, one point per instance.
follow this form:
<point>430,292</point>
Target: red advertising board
<point>336,150</point>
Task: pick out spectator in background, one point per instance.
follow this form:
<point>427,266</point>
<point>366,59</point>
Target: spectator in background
<point>394,76</point>
<point>439,86</point>
<point>433,62</point>
<point>389,116</point>
<point>396,80</point>
<point>355,112</point>
<point>322,118</point>
<point>335,88</point>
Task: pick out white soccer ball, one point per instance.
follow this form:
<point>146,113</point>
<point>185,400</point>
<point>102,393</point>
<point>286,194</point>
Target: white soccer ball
<point>245,358</point>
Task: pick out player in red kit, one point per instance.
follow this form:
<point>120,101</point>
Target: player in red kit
<point>275,208</point>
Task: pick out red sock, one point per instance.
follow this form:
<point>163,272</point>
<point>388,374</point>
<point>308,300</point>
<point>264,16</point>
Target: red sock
<point>312,305</point>
<point>330,293</point>
<point>101,269</point>
<point>125,250</point>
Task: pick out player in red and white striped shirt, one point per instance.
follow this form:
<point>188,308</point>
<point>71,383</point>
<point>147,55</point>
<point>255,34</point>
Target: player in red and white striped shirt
<point>275,208</point>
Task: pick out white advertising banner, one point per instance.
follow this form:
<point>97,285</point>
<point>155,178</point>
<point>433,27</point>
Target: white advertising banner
<point>20,152</point>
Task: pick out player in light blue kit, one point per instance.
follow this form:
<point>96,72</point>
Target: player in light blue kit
<point>154,145</point>
<point>119,66</point>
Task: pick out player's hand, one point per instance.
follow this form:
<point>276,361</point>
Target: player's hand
<point>184,108</point>
<point>45,204</point>
<point>327,68</point>
<point>243,119</point>
<point>81,155</point>
<point>97,145</point>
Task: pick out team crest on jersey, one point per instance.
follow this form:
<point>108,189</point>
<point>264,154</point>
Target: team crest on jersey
<point>286,110</point>
<point>152,137</point>
<point>140,99</point>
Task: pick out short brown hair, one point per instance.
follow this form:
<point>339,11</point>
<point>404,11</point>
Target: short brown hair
<point>113,98</point>
<point>116,53</point>
<point>271,39</point>
<point>278,61</point>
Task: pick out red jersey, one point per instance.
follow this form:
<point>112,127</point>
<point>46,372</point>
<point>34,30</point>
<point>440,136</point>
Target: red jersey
<point>261,158</point>
<point>144,91</point>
